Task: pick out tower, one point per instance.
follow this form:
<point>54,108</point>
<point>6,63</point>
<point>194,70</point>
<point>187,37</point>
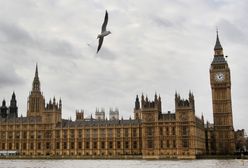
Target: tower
<point>186,121</point>
<point>150,113</point>
<point>36,101</point>
<point>13,109</point>
<point>4,109</point>
<point>220,81</point>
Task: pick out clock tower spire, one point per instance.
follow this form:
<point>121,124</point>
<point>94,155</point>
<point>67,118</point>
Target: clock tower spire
<point>220,80</point>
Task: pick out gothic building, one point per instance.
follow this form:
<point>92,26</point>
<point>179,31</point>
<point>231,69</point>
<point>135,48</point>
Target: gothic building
<point>151,134</point>
<point>11,111</point>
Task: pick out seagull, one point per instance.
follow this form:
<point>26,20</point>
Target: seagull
<point>104,32</point>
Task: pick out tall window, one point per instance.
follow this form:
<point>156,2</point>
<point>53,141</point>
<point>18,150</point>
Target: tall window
<point>103,133</point>
<point>118,132</point>
<point>174,143</point>
<point>79,145</point>
<point>64,134</point>
<point>161,144</point>
<point>95,145</point>
<point>185,143</point>
<point>135,144</point>
<point>87,133</point>
<point>110,133</point>
<point>134,132</point>
<point>57,145</point>
<point>72,145</point>
<point>72,133</point>
<point>79,133</point>
<point>126,132</point>
<point>95,133</point>
<point>103,145</point>
<point>87,145</point>
<point>161,131</point>
<point>39,145</point>
<point>110,145</point>
<point>173,131</point>
<point>126,144</point>
<point>31,146</point>
<point>57,134</point>
<point>118,144</point>
<point>149,131</point>
<point>168,143</point>
<point>48,145</point>
<point>65,145</point>
<point>150,144</point>
<point>185,131</point>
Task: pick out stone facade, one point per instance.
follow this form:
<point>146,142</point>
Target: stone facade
<point>152,134</point>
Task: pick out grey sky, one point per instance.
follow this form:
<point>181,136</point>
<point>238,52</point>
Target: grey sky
<point>156,46</point>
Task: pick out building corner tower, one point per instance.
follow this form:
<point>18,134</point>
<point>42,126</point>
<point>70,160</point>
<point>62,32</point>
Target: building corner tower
<point>220,80</point>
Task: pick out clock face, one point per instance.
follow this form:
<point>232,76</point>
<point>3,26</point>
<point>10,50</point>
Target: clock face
<point>219,77</point>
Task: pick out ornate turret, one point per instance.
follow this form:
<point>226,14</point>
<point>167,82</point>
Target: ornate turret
<point>137,103</point>
<point>13,100</point>
<point>60,104</point>
<point>114,114</point>
<point>3,109</point>
<point>192,100</point>
<point>3,103</point>
<point>13,109</point>
<point>79,115</point>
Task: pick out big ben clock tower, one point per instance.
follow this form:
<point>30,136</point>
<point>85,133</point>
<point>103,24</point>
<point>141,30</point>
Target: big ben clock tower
<point>220,80</point>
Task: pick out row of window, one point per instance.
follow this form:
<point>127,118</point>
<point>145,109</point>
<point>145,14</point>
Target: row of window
<point>71,133</point>
<point>71,145</point>
<point>163,144</point>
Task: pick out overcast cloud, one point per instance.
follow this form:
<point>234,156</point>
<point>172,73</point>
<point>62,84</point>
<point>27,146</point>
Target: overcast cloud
<point>156,46</point>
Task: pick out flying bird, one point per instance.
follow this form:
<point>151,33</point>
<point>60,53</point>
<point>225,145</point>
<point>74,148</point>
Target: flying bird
<point>103,33</point>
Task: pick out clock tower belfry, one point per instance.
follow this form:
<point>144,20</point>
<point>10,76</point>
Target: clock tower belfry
<point>220,80</point>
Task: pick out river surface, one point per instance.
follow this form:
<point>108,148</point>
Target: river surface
<point>123,164</point>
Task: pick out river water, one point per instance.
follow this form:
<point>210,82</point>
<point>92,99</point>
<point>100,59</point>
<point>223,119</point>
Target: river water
<point>123,163</point>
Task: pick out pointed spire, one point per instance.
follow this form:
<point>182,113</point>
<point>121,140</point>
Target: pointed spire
<point>60,103</point>
<point>137,97</point>
<point>36,81</point>
<point>3,103</point>
<point>13,96</point>
<point>36,70</point>
<point>137,103</point>
<point>54,100</point>
<point>13,100</point>
<point>142,97</point>
<point>155,97</point>
<point>202,117</point>
<point>217,44</point>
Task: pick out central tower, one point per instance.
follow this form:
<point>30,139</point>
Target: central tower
<point>36,101</point>
<point>220,80</point>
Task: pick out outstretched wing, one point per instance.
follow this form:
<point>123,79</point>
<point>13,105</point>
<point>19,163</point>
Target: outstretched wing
<point>99,44</point>
<point>104,25</point>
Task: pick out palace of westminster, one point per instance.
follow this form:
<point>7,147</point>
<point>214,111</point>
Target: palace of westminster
<point>152,134</point>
